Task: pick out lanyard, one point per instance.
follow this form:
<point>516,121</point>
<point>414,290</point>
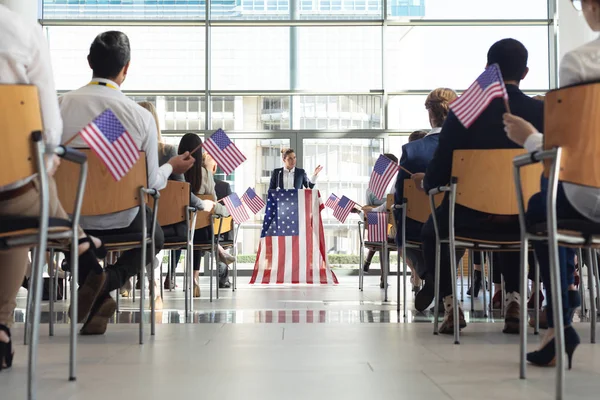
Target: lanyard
<point>110,85</point>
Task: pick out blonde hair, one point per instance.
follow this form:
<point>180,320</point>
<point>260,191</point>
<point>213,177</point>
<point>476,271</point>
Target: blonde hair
<point>150,107</point>
<point>438,105</point>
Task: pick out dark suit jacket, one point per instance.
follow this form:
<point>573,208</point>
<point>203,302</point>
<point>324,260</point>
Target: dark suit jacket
<point>487,132</point>
<point>222,189</point>
<point>415,158</point>
<point>300,179</point>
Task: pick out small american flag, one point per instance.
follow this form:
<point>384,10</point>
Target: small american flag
<point>479,95</point>
<point>236,208</point>
<point>224,151</point>
<point>383,172</point>
<point>254,202</point>
<point>292,241</point>
<point>108,138</point>
<point>342,209</point>
<point>377,226</point>
<point>332,201</point>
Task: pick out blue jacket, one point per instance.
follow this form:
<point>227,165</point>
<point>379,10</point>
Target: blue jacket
<point>300,179</point>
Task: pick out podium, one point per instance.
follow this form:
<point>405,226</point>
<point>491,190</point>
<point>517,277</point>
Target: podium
<point>292,242</point>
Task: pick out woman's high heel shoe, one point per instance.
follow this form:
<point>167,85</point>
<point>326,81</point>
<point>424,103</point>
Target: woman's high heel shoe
<point>100,252</point>
<point>546,356</point>
<point>6,351</point>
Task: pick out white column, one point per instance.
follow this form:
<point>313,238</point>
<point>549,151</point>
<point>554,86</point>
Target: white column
<point>573,31</point>
<point>28,9</point>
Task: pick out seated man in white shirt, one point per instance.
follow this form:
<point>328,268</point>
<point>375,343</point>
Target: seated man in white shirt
<point>109,60</point>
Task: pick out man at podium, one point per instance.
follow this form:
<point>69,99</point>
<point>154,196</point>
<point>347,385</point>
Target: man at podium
<point>290,177</point>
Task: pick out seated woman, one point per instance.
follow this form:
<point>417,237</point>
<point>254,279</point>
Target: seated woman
<point>572,201</point>
<point>290,177</point>
<point>416,155</point>
<point>202,183</point>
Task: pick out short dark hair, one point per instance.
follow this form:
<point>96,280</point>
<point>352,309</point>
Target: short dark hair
<point>511,56</point>
<point>109,53</point>
<point>416,135</point>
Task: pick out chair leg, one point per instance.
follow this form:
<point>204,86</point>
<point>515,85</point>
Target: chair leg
<point>584,308</point>
<point>436,297</point>
<point>404,287</point>
<point>456,313</point>
<point>472,275</point>
<point>536,329</point>
<point>385,268</point>
<point>51,274</point>
<point>152,290</point>
<point>484,292</point>
<point>523,320</point>
<point>591,285</point>
<point>462,283</point>
<point>502,308</point>
<point>30,299</point>
<point>361,261</point>
<point>160,283</point>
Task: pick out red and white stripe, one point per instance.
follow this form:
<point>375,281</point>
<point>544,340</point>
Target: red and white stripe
<point>119,156</point>
<point>239,214</point>
<point>377,231</point>
<point>473,101</point>
<point>296,259</point>
<point>340,213</point>
<point>227,159</point>
<point>379,183</point>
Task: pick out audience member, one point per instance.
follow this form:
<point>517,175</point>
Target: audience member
<point>572,201</point>
<point>487,132</point>
<point>109,60</point>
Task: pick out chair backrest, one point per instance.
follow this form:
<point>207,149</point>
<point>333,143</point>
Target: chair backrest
<point>203,218</point>
<point>19,116</point>
<point>103,195</point>
<point>572,122</point>
<point>174,202</point>
<point>417,202</point>
<point>486,182</point>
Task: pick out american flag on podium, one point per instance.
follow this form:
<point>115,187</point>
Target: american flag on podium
<point>292,242</point>
<point>109,139</point>
<point>224,151</point>
<point>383,172</point>
<point>377,226</point>
<point>236,208</point>
<point>332,201</point>
<point>343,208</point>
<point>254,202</point>
<point>487,87</point>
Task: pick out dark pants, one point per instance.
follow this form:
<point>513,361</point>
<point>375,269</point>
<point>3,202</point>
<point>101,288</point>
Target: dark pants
<point>413,233</point>
<point>128,264</point>
<point>468,220</point>
<point>201,236</point>
<point>536,213</point>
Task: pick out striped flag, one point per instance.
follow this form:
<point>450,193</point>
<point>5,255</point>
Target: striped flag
<point>224,151</point>
<point>254,202</point>
<point>383,172</point>
<point>342,209</point>
<point>109,139</point>
<point>292,243</point>
<point>377,226</point>
<point>236,208</point>
<point>332,201</point>
<point>487,87</point>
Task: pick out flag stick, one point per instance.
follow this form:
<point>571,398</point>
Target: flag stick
<point>507,106</point>
<point>405,170</point>
<point>196,149</point>
<point>70,140</point>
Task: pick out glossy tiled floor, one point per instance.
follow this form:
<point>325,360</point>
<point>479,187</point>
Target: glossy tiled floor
<point>294,343</point>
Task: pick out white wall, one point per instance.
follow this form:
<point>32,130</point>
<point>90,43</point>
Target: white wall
<point>573,31</point>
<point>26,8</point>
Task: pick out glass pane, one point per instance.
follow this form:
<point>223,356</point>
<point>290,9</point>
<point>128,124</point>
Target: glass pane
<point>340,112</point>
<point>162,58</point>
<point>407,113</point>
<point>347,167</point>
<point>308,9</point>
<point>184,113</point>
<point>251,113</point>
<point>124,9</point>
<point>432,56</point>
<point>339,58</point>
<point>245,58</point>
<point>468,9</point>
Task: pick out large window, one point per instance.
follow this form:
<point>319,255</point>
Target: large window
<point>340,81</point>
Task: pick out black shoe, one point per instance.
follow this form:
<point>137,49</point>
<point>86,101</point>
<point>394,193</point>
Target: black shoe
<point>224,285</point>
<point>6,350</point>
<point>477,285</point>
<point>366,266</point>
<point>425,296</point>
<point>546,356</point>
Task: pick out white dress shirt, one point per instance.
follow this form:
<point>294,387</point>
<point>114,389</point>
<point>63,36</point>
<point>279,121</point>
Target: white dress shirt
<point>25,59</point>
<point>577,66</point>
<point>79,107</point>
<point>288,178</point>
